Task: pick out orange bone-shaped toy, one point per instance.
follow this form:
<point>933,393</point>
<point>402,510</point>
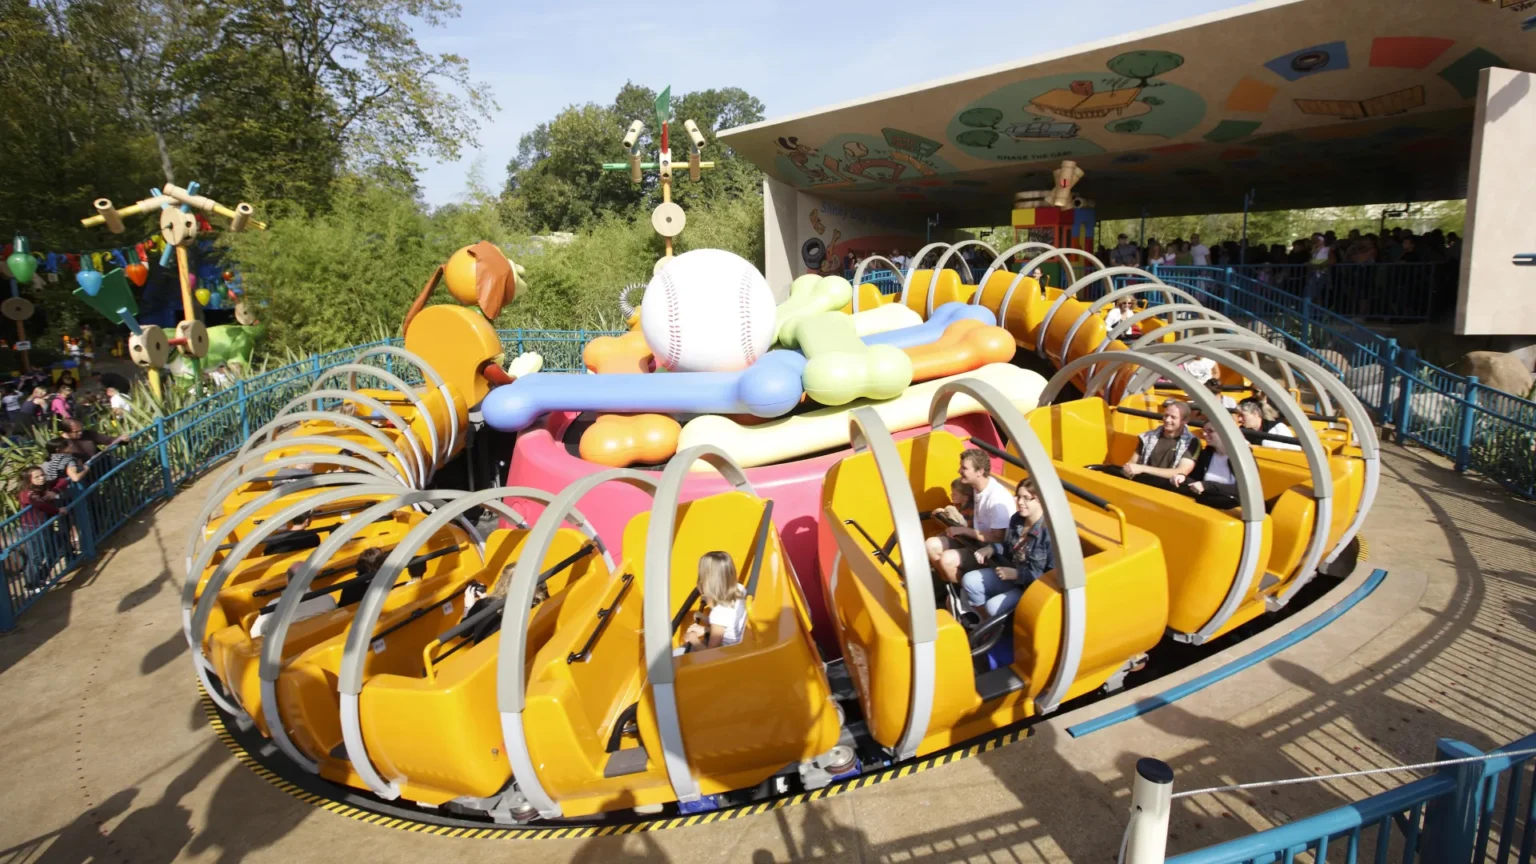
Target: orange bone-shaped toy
<point>966,345</point>
<point>619,440</point>
<point>627,353</point>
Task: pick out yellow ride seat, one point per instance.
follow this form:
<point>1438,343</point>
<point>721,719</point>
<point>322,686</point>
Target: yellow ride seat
<point>236,655</point>
<point>1202,546</point>
<point>306,687</point>
<point>436,729</point>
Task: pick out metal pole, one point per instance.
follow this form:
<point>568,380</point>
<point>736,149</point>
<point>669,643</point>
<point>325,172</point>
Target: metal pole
<point>1242,249</point>
<point>1468,416</point>
<point>1450,821</point>
<point>1146,837</point>
<point>1142,240</point>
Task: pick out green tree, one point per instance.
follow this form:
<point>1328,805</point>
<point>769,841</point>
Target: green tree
<point>555,183</point>
<point>293,90</point>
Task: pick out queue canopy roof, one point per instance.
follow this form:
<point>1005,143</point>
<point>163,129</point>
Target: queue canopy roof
<point>1309,102</point>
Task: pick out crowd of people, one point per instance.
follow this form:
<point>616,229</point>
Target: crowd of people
<point>1321,249</point>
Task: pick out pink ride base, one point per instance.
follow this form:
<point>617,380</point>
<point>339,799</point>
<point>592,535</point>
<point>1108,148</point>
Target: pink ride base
<point>541,461</point>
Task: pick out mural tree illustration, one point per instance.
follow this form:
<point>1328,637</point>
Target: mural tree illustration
<point>981,117</point>
<point>1144,65</point>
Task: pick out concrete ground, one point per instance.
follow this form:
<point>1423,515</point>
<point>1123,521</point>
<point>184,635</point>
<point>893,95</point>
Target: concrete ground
<point>108,756</point>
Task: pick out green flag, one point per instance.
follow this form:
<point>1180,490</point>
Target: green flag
<point>664,106</point>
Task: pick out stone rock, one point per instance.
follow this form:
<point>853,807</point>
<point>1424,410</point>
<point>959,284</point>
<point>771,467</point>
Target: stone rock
<point>1497,370</point>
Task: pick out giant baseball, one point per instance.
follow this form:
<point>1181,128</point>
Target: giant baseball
<point>708,310</point>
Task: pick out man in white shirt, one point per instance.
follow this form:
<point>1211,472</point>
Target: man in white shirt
<point>1199,251</point>
<point>955,553</point>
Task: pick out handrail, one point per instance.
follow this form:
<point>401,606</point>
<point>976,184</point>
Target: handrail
<point>938,267</point>
<point>1253,435</point>
<point>480,617</point>
<point>604,618</point>
<point>881,552</point>
<point>765,526</point>
<point>358,580</point>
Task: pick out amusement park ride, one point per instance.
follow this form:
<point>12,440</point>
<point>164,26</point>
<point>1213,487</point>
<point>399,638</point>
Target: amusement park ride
<point>338,600</point>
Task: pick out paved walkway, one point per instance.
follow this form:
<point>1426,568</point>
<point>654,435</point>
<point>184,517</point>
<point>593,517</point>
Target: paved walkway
<point>108,757</point>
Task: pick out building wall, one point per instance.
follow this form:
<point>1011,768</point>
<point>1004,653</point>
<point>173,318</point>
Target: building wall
<point>797,226</point>
<point>1497,297</point>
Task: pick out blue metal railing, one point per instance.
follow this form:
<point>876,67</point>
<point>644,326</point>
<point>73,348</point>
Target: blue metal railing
<point>1456,416</point>
<point>1459,814</point>
<point>888,281</point>
<point>1403,291</point>
<point>36,552</point>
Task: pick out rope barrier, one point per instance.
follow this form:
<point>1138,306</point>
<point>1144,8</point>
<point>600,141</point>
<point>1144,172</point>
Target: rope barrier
<point>1293,780</point>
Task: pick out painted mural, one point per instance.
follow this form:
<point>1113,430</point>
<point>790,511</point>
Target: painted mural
<point>829,231</point>
<point>853,159</point>
<point>1079,114</point>
<point>1185,103</point>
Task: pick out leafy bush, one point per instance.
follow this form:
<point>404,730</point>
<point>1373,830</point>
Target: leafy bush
<point>340,278</point>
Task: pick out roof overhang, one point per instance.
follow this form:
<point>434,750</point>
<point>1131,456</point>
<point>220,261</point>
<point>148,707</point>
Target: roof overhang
<point>1305,102</point>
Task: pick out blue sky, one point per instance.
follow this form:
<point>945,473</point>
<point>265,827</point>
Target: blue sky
<point>793,56</point>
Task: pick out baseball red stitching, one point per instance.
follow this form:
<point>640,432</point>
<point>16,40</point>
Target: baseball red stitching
<point>744,294</point>
<point>674,326</point>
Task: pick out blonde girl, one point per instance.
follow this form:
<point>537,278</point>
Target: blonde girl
<point>727,601</point>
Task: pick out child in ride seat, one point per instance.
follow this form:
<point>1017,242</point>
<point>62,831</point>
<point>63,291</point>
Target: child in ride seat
<point>963,498</point>
<point>727,601</point>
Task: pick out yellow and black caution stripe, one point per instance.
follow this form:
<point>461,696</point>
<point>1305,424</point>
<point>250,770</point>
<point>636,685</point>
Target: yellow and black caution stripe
<point>348,803</point>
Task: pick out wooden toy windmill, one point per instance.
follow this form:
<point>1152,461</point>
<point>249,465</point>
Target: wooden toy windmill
<point>148,345</point>
<point>667,218</point>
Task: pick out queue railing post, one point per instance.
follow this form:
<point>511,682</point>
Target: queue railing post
<point>163,447</point>
<point>1388,363</point>
<point>1468,423</point>
<point>80,515</point>
<point>1404,413</point>
<point>7,614</point>
<point>1146,837</point>
<point>245,413</point>
<point>1450,821</point>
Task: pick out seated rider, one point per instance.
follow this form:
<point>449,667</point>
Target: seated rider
<point>1124,308</point>
<point>1213,384</point>
<point>727,601</point>
<point>1166,451</point>
<point>1212,481</point>
<point>477,600</point>
<point>962,498</point>
<point>955,552</point>
<point>298,536</point>
<point>1250,415</point>
<point>1025,555</point>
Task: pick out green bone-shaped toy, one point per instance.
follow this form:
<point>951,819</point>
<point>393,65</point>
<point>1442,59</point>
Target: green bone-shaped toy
<point>841,368</point>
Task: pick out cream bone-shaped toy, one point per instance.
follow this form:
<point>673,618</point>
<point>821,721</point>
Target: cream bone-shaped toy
<point>827,428</point>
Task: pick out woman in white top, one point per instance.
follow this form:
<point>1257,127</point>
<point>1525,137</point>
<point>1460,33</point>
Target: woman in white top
<point>1124,308</point>
<point>727,601</point>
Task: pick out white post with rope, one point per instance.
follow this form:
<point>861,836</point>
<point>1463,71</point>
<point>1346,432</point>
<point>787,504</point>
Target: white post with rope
<point>1146,836</point>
